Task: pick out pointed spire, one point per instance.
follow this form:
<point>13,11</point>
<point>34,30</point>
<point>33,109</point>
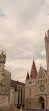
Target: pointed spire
<point>27,77</point>
<point>33,70</point>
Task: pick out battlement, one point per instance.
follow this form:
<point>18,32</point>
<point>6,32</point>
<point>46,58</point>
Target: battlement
<point>2,57</point>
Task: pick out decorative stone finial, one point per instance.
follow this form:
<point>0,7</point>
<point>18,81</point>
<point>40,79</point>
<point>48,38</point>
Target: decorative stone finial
<point>45,34</point>
<point>2,57</point>
<point>48,33</point>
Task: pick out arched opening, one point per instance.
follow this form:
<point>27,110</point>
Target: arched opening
<point>41,102</point>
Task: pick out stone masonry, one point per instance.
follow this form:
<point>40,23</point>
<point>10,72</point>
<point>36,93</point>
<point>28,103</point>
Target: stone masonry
<point>37,84</point>
<point>5,78</point>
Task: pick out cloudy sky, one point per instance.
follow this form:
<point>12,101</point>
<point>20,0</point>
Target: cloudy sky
<point>22,30</point>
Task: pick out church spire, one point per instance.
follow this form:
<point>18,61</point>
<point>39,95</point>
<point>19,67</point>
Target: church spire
<point>33,71</point>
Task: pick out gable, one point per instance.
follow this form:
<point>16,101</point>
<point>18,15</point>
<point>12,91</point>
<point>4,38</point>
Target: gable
<point>42,74</point>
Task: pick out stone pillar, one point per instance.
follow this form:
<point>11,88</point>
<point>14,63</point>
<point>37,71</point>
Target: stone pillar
<point>48,102</point>
<point>45,106</point>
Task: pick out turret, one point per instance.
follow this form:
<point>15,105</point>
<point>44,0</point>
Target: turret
<point>27,77</point>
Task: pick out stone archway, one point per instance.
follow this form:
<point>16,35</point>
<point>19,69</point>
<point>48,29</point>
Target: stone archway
<point>41,102</point>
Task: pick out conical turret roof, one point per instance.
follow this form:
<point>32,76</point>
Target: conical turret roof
<point>27,77</point>
<point>33,71</point>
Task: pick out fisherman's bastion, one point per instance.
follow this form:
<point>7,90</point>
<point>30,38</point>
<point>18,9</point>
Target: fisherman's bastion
<point>33,94</point>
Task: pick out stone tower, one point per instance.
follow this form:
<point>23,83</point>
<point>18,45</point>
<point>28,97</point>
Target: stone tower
<point>4,84</point>
<point>47,49</point>
<point>47,59</point>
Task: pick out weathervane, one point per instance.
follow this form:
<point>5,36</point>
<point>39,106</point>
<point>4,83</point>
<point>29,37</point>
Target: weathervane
<point>33,57</point>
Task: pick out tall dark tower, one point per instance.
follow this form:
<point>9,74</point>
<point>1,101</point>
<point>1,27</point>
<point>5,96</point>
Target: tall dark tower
<point>47,59</point>
<point>47,49</point>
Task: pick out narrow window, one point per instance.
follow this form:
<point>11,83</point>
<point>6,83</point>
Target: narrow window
<point>30,91</point>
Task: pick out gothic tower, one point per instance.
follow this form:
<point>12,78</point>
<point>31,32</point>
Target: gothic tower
<point>47,59</point>
<point>47,49</point>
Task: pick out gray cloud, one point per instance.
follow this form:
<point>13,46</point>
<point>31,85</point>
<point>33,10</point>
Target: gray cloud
<point>22,32</point>
<point>2,15</point>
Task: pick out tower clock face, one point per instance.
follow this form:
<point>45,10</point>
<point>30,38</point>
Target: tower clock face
<point>42,88</point>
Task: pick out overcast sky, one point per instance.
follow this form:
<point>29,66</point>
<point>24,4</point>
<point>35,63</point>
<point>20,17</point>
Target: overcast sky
<point>22,30</point>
